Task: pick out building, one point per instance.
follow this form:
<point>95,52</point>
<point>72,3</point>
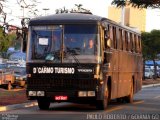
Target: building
<point>141,19</point>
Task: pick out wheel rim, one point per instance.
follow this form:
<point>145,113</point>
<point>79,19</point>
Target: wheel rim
<point>131,94</point>
<point>106,98</point>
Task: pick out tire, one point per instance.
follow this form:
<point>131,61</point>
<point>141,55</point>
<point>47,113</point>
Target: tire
<point>120,100</point>
<point>102,104</point>
<point>9,86</point>
<point>22,84</point>
<point>43,103</point>
<point>129,98</point>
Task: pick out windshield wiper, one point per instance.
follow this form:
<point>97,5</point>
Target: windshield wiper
<point>70,52</point>
<point>53,56</point>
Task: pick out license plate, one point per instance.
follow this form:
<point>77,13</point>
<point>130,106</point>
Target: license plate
<point>61,97</point>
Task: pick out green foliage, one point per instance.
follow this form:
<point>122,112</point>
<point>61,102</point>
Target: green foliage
<point>151,44</point>
<point>137,3</point>
<point>6,40</point>
<point>151,47</point>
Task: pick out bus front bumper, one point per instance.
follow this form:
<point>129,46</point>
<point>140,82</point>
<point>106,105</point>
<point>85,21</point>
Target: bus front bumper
<point>62,95</point>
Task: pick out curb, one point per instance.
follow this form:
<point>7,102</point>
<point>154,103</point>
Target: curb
<point>151,85</point>
<point>34,103</point>
<point>17,106</point>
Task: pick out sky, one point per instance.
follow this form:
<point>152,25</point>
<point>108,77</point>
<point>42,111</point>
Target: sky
<point>97,7</point>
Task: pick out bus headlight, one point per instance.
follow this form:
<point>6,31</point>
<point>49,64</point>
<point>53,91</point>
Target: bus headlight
<point>91,93</point>
<point>86,94</point>
<point>82,94</point>
<point>40,93</point>
<point>32,93</point>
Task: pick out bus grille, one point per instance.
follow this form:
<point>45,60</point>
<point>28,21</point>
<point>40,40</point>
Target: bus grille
<point>61,84</point>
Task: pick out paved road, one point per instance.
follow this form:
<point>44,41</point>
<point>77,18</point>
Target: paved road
<point>146,106</point>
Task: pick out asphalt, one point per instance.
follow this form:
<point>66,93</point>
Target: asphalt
<point>34,103</point>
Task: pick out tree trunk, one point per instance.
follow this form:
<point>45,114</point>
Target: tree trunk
<point>143,69</point>
<point>155,69</point>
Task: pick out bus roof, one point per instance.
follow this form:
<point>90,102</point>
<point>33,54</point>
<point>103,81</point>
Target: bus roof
<point>65,18</point>
<point>71,18</point>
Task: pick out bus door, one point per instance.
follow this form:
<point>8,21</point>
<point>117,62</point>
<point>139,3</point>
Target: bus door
<point>111,60</point>
<point>114,62</point>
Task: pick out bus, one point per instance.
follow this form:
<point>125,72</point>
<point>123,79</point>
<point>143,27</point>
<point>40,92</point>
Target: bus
<point>61,68</point>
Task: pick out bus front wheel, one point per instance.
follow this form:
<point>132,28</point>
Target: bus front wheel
<point>9,86</point>
<point>102,104</point>
<point>43,103</point>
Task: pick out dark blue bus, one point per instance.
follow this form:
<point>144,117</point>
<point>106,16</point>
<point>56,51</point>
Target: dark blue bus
<point>82,58</point>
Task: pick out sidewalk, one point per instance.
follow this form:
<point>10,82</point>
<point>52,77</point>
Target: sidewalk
<point>27,104</point>
<point>18,106</point>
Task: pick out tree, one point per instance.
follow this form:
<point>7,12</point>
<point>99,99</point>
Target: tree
<point>30,5</point>
<point>62,10</point>
<point>1,5</point>
<point>6,40</point>
<point>151,46</point>
<point>78,9</point>
<point>137,3</point>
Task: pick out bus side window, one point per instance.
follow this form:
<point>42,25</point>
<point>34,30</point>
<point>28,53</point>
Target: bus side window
<point>139,41</point>
<point>114,37</point>
<point>126,40</point>
<point>107,43</point>
<point>111,35</point>
<point>123,40</point>
<point>131,41</point>
<point>120,40</point>
<point>117,38</point>
<point>136,44</point>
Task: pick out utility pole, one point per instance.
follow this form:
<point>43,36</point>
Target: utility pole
<point>45,9</point>
<point>23,7</point>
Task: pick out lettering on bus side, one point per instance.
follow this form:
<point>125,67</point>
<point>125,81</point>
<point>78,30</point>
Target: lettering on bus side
<point>56,70</point>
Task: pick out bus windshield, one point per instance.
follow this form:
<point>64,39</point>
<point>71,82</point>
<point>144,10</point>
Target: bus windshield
<point>68,43</point>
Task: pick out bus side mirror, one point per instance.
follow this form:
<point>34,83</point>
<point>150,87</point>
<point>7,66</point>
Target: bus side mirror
<point>107,39</point>
<point>108,43</point>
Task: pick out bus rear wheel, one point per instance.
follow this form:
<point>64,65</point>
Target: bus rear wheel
<point>43,103</point>
<point>102,104</point>
<point>129,98</point>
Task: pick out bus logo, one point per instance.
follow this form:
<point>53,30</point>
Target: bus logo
<point>56,70</point>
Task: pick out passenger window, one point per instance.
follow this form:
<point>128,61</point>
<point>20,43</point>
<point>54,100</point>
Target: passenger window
<point>132,42</point>
<point>126,40</point>
<point>114,38</point>
<point>136,43</point>
<point>107,38</point>
<point>111,35</point>
<point>129,42</point>
<point>123,39</point>
<point>139,44</point>
<point>120,39</point>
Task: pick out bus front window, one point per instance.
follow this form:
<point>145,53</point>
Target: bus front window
<point>64,43</point>
<point>45,42</point>
<point>80,41</point>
